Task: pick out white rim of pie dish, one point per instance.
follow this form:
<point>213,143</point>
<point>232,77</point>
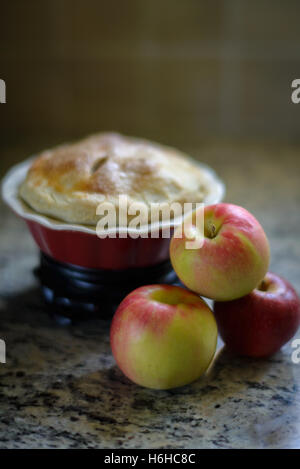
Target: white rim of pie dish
<point>16,175</point>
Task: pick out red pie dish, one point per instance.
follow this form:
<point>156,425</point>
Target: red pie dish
<point>78,243</point>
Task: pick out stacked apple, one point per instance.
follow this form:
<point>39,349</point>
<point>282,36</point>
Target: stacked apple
<point>165,336</point>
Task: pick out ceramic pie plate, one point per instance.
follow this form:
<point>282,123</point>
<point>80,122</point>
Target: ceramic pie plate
<point>81,246</point>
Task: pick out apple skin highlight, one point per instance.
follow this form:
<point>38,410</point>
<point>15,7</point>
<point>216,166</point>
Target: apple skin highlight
<point>163,336</point>
<point>233,259</point>
<point>260,323</point>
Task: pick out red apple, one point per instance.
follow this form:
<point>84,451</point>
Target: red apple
<point>260,323</point>
<point>163,336</point>
<point>233,259</point>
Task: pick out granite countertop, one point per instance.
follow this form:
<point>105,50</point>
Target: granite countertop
<point>60,387</point>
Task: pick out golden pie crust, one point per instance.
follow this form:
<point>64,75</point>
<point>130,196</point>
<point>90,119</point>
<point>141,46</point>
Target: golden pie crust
<point>70,181</point>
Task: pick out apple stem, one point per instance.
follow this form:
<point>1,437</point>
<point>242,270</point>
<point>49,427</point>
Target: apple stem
<point>263,286</point>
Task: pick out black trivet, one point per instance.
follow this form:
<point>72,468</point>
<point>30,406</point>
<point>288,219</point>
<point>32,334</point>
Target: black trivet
<point>76,293</point>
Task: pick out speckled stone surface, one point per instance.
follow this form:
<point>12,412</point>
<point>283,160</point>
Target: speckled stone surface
<point>60,387</point>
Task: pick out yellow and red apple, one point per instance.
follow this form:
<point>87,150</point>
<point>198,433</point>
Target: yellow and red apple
<point>163,336</point>
<point>234,256</point>
<point>260,323</point>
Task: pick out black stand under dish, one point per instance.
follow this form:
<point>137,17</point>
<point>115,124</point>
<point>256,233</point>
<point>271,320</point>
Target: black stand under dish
<point>76,293</point>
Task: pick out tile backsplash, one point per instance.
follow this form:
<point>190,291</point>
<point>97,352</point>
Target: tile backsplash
<point>169,70</point>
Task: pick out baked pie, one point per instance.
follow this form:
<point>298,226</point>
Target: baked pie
<point>71,180</point>
<point>57,194</point>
